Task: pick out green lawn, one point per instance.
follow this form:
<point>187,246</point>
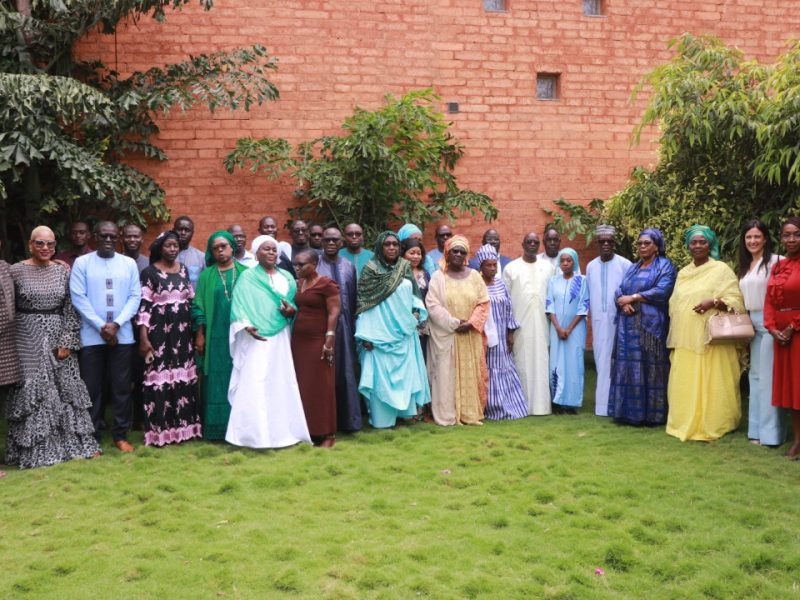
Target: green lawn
<point>524,509</point>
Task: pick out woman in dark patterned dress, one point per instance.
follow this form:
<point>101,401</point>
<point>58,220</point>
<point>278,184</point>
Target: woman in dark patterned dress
<point>313,343</point>
<point>48,411</point>
<point>165,342</point>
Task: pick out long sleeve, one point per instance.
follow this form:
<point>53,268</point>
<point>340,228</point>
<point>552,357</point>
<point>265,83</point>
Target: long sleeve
<point>134,291</point>
<point>435,303</point>
<point>663,285</point>
<point>71,323</point>
<point>79,292</point>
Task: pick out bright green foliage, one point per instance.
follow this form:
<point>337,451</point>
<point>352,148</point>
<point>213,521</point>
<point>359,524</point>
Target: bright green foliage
<point>575,220</point>
<point>67,125</point>
<point>729,146</point>
<point>390,166</point>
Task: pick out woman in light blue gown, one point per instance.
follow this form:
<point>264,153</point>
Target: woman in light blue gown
<point>567,306</point>
<point>393,376</point>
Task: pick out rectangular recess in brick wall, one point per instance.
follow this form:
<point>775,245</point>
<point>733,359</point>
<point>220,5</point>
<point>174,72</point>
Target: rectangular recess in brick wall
<point>452,107</point>
<point>494,5</point>
<point>593,8</point>
<point>547,86</point>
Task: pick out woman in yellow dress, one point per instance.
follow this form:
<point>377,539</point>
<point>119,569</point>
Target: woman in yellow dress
<point>703,391</point>
<point>458,306</point>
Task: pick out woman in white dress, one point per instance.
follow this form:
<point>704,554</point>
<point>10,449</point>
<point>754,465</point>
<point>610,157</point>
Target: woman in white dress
<point>765,425</point>
<point>266,410</point>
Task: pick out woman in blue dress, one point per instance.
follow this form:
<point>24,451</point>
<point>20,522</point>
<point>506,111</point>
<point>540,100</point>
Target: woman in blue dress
<point>393,376</point>
<point>567,306</point>
<point>640,360</point>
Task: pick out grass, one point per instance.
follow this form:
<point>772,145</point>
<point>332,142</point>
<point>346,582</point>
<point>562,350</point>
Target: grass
<point>523,509</point>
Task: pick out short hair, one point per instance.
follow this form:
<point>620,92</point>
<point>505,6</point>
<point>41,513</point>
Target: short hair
<point>139,227</point>
<point>409,243</point>
<point>184,218</point>
<point>312,254</point>
<point>99,224</point>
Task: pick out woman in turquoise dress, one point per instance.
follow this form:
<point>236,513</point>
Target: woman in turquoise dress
<point>211,317</point>
<point>567,306</point>
<point>393,376</point>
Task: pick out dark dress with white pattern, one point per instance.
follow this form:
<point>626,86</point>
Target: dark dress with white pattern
<point>48,410</point>
<point>170,382</point>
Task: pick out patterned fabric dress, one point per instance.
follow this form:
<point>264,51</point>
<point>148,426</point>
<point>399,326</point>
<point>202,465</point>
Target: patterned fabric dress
<point>9,363</point>
<point>170,381</point>
<point>48,411</point>
<point>640,361</point>
<point>506,398</point>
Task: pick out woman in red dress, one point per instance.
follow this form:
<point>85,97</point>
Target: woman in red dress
<point>782,320</point>
<point>313,343</point>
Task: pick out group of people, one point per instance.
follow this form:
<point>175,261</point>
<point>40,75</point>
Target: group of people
<point>285,343</point>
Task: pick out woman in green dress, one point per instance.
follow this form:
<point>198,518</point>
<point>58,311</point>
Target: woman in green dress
<point>211,316</point>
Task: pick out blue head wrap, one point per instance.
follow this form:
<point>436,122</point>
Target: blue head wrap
<point>407,230</point>
<point>657,237</point>
<point>574,255</point>
<point>486,252</point>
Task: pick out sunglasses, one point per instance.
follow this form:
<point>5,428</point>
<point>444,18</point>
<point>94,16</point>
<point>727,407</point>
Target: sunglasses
<point>44,244</point>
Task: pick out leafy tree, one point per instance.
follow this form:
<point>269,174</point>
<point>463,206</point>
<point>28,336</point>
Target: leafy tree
<point>390,166</point>
<point>729,146</point>
<point>67,125</point>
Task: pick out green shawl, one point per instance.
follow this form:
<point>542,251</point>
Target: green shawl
<point>256,303</point>
<point>379,279</point>
<point>203,303</point>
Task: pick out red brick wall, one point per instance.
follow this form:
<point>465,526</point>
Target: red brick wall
<point>521,151</point>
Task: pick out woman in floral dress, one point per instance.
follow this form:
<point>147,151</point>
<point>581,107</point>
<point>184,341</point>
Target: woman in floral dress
<point>165,342</point>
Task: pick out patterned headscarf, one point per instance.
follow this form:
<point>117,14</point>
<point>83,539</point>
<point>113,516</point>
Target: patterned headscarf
<point>657,237</point>
<point>259,241</point>
<point>486,252</point>
<point>576,269</point>
<point>707,233</point>
<point>406,231</point>
<point>456,241</point>
<point>379,279</point>
<point>158,243</point>
<point>218,234</point>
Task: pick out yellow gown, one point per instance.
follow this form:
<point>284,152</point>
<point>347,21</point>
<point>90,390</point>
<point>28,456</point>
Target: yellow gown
<point>703,390</point>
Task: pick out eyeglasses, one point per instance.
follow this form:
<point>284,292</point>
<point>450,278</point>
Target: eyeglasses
<point>458,251</point>
<point>330,239</point>
<point>315,234</point>
<point>44,243</point>
<point>607,242</point>
<point>106,236</point>
<point>790,235</point>
<point>643,243</point>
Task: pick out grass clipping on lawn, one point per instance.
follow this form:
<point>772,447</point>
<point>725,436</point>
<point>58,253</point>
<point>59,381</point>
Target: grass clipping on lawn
<point>545,507</point>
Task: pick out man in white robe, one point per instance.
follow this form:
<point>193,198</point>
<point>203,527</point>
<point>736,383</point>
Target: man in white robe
<point>526,279</point>
<point>604,275</point>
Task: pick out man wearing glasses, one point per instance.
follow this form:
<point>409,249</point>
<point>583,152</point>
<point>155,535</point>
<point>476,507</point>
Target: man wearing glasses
<point>604,275</point>
<point>354,250</point>
<point>105,291</point>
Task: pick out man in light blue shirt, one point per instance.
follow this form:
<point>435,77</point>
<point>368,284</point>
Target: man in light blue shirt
<point>105,290</point>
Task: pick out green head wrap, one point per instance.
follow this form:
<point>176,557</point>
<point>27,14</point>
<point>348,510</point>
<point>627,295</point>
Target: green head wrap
<point>379,279</point>
<point>223,234</point>
<point>706,232</point>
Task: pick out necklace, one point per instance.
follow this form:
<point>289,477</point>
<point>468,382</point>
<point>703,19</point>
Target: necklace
<point>224,285</point>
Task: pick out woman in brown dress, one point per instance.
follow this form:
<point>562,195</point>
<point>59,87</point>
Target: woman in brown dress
<point>313,342</point>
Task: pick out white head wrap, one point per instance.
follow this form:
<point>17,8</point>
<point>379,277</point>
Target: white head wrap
<point>260,240</point>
